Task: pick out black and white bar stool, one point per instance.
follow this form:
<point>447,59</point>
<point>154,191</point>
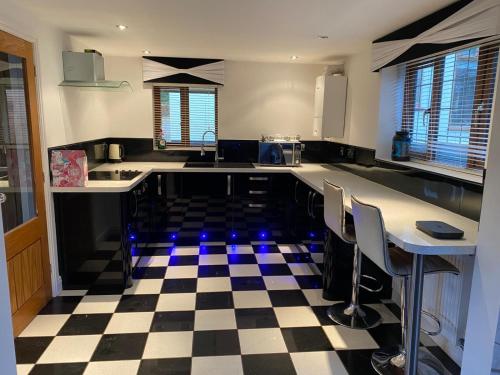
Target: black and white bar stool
<point>396,262</point>
<point>350,314</point>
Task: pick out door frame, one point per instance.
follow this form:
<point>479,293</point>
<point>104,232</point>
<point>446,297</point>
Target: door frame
<point>35,229</point>
<point>12,28</point>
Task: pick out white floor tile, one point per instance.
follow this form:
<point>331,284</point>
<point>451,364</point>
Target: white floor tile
<point>343,338</point>
<point>270,258</point>
<point>97,304</point>
<point>302,269</point>
<point>318,363</point>
<point>251,299</point>
<point>64,349</point>
<point>262,340</point>
<point>214,284</point>
<point>212,260</point>
<point>207,320</point>
<point>280,282</point>
<point>315,297</point>
<point>113,367</point>
<point>221,365</point>
<point>185,250</point>
<point>168,345</point>
<point>154,261</point>
<point>292,248</point>
<point>317,257</point>
<point>181,272</point>
<point>297,316</point>
<point>145,286</point>
<point>239,270</point>
<point>176,302</point>
<point>45,325</point>
<point>239,249</point>
<point>130,322</point>
<point>23,369</point>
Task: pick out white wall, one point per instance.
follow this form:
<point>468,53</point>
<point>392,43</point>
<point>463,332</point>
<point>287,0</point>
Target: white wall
<point>485,294</point>
<point>257,98</point>
<point>363,87</point>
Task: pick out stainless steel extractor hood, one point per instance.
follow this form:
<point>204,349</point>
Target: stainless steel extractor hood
<point>86,69</point>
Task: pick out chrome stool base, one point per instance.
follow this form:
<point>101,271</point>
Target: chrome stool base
<point>391,361</point>
<point>354,316</point>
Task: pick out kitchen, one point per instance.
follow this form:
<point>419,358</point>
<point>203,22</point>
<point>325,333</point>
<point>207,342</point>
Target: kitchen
<point>177,213</point>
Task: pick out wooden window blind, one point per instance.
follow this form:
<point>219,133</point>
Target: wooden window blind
<point>183,114</point>
<point>447,106</point>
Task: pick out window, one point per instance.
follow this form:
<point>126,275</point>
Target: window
<point>447,106</point>
<point>183,114</point>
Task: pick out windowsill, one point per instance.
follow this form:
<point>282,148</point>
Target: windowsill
<point>470,177</point>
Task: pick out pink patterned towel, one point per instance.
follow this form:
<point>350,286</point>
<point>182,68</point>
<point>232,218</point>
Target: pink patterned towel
<point>69,168</point>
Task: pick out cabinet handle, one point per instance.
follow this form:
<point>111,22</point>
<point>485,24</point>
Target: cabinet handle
<point>309,203</point>
<point>258,178</point>
<point>295,191</point>
<point>228,185</point>
<point>257,192</point>
<point>313,197</point>
<point>159,184</point>
<point>256,205</point>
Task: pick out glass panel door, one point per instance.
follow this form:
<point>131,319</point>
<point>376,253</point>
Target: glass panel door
<point>16,177</point>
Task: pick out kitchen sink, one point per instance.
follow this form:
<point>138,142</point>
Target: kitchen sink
<point>221,164</point>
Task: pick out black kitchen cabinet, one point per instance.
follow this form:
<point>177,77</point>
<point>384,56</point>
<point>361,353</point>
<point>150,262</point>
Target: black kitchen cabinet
<point>308,219</point>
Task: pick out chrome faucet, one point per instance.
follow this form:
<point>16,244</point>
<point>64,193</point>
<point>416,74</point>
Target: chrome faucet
<point>216,145</point>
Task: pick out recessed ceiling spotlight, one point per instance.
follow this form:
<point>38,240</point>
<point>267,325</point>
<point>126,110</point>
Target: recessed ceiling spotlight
<point>146,52</point>
<point>122,27</point>
<point>322,36</point>
<point>294,57</point>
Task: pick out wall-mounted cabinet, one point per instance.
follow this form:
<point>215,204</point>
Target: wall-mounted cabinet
<point>329,106</point>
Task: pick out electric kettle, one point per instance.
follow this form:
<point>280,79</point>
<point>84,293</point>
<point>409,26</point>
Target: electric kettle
<point>116,153</point>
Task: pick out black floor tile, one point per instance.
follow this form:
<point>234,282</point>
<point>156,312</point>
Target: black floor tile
<point>310,282</point>
<point>179,285</point>
<point>395,309</point>
<point>320,312</point>
<point>276,364</point>
<point>284,298</point>
<point>212,343</point>
<point>306,339</point>
<point>212,249</point>
<point>149,272</point>
<point>357,361</point>
<point>214,300</point>
<point>274,269</point>
<point>261,249</point>
<point>241,259</point>
<point>447,362</point>
<point>120,347</point>
<point>387,334</point>
<point>213,271</point>
<point>166,321</point>
<point>29,349</point>
<point>248,283</point>
<point>165,366</point>
<point>298,258</point>
<point>61,305</point>
<point>183,260</point>
<point>59,369</point>
<point>85,324</point>
<point>256,318</point>
<point>152,251</point>
<point>138,303</point>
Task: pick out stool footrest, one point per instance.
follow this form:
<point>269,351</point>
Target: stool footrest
<point>378,287</point>
<point>436,320</point>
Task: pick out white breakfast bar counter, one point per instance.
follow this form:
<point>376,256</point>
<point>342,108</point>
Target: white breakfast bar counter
<point>400,212</point>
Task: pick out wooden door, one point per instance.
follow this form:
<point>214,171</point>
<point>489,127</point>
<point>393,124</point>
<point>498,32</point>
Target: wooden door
<point>21,183</point>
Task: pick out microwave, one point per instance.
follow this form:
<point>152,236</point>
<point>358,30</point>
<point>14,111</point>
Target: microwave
<point>280,153</point>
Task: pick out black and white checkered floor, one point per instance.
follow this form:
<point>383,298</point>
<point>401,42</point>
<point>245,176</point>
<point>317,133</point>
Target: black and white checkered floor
<point>209,309</point>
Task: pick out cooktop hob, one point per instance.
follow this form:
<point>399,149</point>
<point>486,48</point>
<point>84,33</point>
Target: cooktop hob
<point>118,175</point>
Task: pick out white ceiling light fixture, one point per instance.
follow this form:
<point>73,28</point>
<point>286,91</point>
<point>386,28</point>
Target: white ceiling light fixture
<point>294,57</point>
<point>122,27</point>
<point>146,52</point>
<point>322,36</point>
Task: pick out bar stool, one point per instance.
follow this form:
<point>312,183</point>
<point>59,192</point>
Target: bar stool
<point>350,314</point>
<point>396,262</point>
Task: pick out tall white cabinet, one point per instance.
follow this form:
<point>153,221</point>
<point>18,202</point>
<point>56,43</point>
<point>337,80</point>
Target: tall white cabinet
<point>329,106</point>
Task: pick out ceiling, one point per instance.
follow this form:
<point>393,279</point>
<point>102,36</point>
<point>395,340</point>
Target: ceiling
<point>261,30</point>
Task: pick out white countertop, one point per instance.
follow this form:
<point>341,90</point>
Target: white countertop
<point>400,211</point>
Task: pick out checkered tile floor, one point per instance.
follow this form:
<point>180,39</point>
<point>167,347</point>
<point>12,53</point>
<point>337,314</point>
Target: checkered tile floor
<point>208,309</point>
